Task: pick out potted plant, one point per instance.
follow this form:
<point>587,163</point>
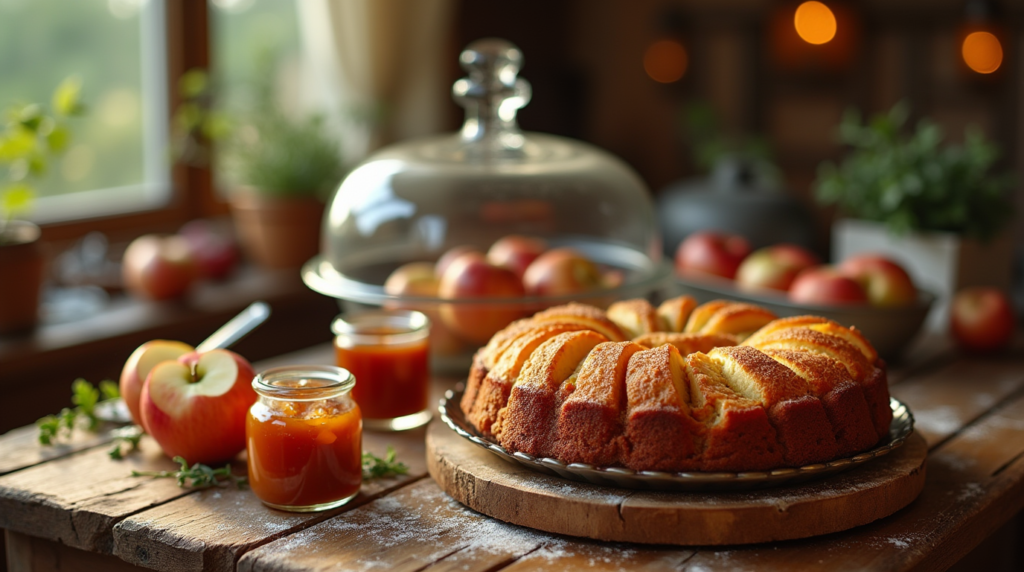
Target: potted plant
<point>31,136</point>
<point>938,208</point>
<point>282,169</point>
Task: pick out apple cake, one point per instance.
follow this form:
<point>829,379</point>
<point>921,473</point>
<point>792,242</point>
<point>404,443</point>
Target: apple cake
<point>722,386</point>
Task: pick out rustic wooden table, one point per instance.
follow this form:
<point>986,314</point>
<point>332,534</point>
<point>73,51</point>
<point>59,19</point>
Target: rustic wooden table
<point>72,508</point>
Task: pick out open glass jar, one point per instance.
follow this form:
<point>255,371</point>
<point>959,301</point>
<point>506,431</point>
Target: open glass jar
<point>415,200</point>
<point>304,438</point>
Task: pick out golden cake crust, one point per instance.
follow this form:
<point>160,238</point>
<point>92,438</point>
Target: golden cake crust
<point>740,391</point>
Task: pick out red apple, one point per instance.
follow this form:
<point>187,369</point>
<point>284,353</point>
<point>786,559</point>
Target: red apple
<point>470,276</point>
<point>158,267</point>
<point>195,406</point>
<point>516,252</point>
<point>774,267</point>
<point>714,253</point>
<point>449,256</point>
<point>825,285</point>
<point>419,280</point>
<point>885,282</point>
<point>215,251</point>
<point>413,279</point>
<point>982,319</point>
<point>140,363</point>
<point>561,272</point>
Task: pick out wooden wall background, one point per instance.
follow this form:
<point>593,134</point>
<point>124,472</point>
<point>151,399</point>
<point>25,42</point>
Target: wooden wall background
<point>584,59</point>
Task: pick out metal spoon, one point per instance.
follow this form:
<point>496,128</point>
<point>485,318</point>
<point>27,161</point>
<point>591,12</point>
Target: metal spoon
<point>235,329</point>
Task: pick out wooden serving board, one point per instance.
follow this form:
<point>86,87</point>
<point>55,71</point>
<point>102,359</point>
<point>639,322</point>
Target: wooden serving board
<point>512,493</point>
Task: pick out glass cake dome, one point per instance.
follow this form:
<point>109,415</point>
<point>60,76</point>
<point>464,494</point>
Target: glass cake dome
<point>415,200</point>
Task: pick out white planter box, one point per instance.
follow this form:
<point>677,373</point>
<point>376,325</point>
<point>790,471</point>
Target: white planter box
<point>940,262</point>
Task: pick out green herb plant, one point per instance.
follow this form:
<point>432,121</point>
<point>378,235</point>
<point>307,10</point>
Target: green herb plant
<point>258,145</point>
<point>375,467</point>
<point>85,396</point>
<point>197,475</point>
<point>913,182</point>
<point>31,136</point>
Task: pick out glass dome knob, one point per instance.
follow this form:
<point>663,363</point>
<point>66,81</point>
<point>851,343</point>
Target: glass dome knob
<point>491,95</point>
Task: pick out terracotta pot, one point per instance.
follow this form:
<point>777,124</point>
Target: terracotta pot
<point>277,232</point>
<point>21,268</point>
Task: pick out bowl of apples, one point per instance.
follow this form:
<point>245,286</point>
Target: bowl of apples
<point>868,291</point>
<point>470,291</point>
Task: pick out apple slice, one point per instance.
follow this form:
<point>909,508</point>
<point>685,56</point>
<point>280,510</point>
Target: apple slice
<point>195,407</point>
<point>140,363</point>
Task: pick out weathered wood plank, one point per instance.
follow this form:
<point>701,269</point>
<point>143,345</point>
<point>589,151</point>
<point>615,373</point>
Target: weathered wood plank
<point>31,554</point>
<point>415,527</point>
<point>20,448</point>
<point>210,530</point>
<point>975,483</point>
<point>945,400</point>
<point>78,499</point>
<point>559,554</point>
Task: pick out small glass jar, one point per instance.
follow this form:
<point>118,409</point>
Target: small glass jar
<point>388,350</point>
<point>304,438</point>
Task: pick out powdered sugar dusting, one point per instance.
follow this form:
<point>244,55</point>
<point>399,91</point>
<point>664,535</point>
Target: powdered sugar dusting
<point>942,420</point>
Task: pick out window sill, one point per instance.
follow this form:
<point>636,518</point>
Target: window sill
<point>36,369</point>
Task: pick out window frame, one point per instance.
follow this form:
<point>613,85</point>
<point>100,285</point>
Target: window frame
<point>192,193</point>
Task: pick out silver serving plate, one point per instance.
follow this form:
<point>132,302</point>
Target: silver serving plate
<point>621,477</point>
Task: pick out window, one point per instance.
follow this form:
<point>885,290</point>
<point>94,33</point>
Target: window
<point>117,161</point>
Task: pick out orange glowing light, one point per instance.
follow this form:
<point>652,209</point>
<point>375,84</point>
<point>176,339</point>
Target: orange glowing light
<point>982,52</point>
<point>815,23</point>
<point>665,61</point>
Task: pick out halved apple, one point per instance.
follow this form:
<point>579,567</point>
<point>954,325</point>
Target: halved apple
<point>195,406</point>
<point>140,363</point>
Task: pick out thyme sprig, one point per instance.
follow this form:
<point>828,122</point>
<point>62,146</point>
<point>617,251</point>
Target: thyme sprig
<point>125,437</point>
<point>85,397</point>
<point>196,476</point>
<point>375,467</point>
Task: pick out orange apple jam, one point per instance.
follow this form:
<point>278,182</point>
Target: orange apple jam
<point>388,352</point>
<point>304,438</point>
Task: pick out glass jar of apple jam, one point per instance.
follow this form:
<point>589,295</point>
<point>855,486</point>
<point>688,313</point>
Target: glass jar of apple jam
<point>304,438</point>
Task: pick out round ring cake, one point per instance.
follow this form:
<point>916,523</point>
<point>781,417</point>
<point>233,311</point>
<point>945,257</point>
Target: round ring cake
<point>723,386</point>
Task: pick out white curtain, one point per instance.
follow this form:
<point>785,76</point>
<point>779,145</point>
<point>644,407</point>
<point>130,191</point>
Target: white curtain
<point>377,68</point>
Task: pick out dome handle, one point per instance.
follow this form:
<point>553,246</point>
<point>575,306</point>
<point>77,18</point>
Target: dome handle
<point>491,95</point>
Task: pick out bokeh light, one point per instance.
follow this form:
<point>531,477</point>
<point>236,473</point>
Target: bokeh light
<point>815,23</point>
<point>982,52</point>
<point>665,61</point>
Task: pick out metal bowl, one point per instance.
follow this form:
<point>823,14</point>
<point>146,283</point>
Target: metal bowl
<point>890,330</point>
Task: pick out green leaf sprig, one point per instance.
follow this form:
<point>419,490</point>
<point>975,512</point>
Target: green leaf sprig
<point>375,467</point>
<point>125,437</point>
<point>85,397</point>
<point>196,476</point>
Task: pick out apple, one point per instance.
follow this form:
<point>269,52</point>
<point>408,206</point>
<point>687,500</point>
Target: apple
<point>449,256</point>
<point>215,252</point>
<point>470,276</point>
<point>774,267</point>
<point>418,279</point>
<point>195,406</point>
<point>413,279</point>
<point>885,282</point>
<point>158,267</point>
<point>711,253</point>
<point>982,319</point>
<point>825,285</point>
<point>516,252</point>
<point>561,272</point>
<point>138,366</point>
